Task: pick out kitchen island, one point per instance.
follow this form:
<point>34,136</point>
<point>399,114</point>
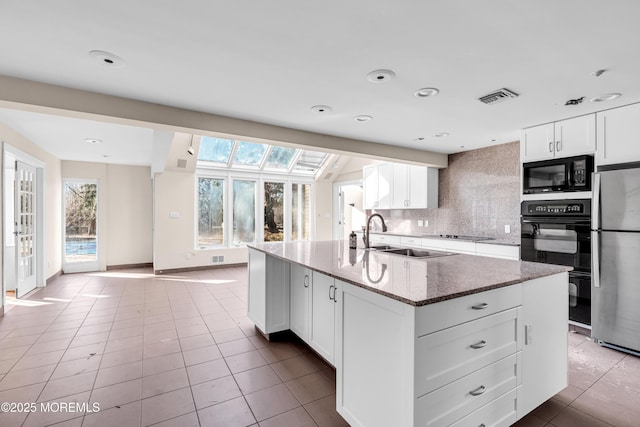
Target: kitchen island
<point>443,340</point>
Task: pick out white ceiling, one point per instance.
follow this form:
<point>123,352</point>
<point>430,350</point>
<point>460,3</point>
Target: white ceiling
<point>271,61</point>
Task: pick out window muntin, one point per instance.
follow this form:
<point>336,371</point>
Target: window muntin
<point>309,162</point>
<point>273,211</point>
<point>244,212</point>
<point>215,150</point>
<point>210,212</point>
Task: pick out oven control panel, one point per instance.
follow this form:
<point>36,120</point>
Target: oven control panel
<point>557,207</point>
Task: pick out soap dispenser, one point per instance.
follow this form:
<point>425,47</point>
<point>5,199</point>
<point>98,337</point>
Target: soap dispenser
<point>353,240</point>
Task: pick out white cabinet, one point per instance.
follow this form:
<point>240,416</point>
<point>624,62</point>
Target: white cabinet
<point>560,139</point>
<point>300,313</point>
<point>378,186</point>
<point>268,305</point>
<point>619,135</point>
<point>414,187</point>
<point>382,238</point>
<point>324,298</point>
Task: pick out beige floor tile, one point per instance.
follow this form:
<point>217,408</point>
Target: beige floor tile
<point>201,354</point>
<point>161,348</point>
<point>226,335</point>
<point>278,351</point>
<point>245,361</point>
<point>610,404</point>
<point>188,420</point>
<point>166,406</point>
<point>232,413</point>
<point>67,386</point>
<point>28,394</point>
<point>118,374</point>
<point>571,417</point>
<point>530,420</point>
<point>75,403</point>
<point>122,343</point>
<point>549,409</point>
<point>164,363</point>
<point>163,382</point>
<point>42,359</point>
<point>271,401</point>
<point>126,332</point>
<point>207,371</point>
<point>231,348</point>
<point>568,395</point>
<point>215,391</point>
<point>311,387</point>
<point>324,413</point>
<point>117,394</point>
<point>196,341</point>
<point>125,416</point>
<point>297,417</point>
<point>83,352</point>
<point>121,357</point>
<point>296,367</point>
<point>256,379</point>
<point>84,340</point>
<point>26,377</point>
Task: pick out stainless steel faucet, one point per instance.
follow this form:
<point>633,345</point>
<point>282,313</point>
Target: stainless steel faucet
<point>365,235</point>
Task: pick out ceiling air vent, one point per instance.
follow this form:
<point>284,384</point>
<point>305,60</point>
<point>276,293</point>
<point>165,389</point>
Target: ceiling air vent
<point>497,96</point>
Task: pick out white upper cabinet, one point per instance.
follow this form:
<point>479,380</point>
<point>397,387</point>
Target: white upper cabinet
<point>400,186</point>
<point>619,135</point>
<point>560,139</point>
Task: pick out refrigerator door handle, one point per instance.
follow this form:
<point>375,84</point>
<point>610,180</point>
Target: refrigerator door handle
<point>595,258</point>
<point>595,212</point>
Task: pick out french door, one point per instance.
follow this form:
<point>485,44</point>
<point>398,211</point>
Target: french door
<point>80,226</point>
<point>25,229</point>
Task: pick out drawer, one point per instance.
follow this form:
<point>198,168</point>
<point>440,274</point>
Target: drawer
<point>445,356</point>
<point>499,413</point>
<point>498,251</point>
<point>460,246</point>
<point>384,238</point>
<point>414,242</point>
<point>434,317</point>
<point>456,400</point>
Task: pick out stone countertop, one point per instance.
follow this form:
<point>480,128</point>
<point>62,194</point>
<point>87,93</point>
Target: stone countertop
<point>490,241</point>
<point>413,281</point>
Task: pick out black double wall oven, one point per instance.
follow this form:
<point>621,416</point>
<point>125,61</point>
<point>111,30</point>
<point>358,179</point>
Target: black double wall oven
<point>559,232</point>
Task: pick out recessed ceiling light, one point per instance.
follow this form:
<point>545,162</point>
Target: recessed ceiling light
<point>381,76</point>
<point>107,59</point>
<point>362,118</point>
<point>441,135</point>
<point>605,97</point>
<point>598,73</point>
<point>321,109</point>
<point>426,92</point>
<point>93,140</point>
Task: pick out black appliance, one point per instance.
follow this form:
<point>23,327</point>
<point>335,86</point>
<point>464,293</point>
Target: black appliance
<point>558,175</point>
<point>558,232</point>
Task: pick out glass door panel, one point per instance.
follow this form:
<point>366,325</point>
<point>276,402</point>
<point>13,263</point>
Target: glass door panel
<point>301,212</point>
<point>80,230</point>
<point>273,211</point>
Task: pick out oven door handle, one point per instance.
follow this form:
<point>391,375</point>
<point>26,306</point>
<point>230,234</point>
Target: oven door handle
<point>595,258</point>
<point>556,220</point>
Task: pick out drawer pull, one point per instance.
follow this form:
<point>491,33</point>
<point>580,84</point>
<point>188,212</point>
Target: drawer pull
<point>482,425</point>
<point>330,297</point>
<point>478,391</point>
<point>480,306</point>
<point>479,344</point>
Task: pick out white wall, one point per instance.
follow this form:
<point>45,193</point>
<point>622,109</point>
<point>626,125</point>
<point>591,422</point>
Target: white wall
<point>174,244</point>
<point>124,210</point>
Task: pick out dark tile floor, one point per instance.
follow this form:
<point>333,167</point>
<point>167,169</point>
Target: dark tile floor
<point>178,350</point>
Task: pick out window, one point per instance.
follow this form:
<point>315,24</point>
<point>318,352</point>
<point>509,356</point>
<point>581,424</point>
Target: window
<point>301,212</point>
<point>216,150</point>
<point>249,154</point>
<point>244,212</point>
<point>280,158</point>
<point>273,211</point>
<point>210,212</point>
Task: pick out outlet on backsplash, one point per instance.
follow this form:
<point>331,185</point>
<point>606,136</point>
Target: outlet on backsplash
<point>420,223</point>
<point>507,229</point>
<point>426,222</point>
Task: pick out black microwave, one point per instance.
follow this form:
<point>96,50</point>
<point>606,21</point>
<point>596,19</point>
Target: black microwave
<point>557,175</point>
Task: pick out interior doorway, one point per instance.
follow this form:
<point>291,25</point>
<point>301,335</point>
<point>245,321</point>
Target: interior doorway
<point>80,251</point>
<point>23,229</point>
<point>348,208</point>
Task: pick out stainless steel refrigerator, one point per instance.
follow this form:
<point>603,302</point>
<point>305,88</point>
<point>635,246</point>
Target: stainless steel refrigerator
<point>615,305</point>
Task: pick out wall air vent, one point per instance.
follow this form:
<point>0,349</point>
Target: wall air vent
<point>328,176</point>
<point>217,259</point>
<point>182,163</point>
<point>497,96</point>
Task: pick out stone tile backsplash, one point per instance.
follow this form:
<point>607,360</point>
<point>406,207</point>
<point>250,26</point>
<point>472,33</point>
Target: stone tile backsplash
<point>479,193</point>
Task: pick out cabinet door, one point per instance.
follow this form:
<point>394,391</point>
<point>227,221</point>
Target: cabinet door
<point>575,136</point>
<point>537,143</point>
<point>400,193</point>
<point>370,184</point>
<point>257,288</point>
<point>323,292</point>
<point>619,135</point>
<point>385,186</point>
<point>300,295</point>
<point>268,305</point>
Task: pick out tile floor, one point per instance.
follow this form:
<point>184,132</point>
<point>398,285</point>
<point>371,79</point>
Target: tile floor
<point>178,350</point>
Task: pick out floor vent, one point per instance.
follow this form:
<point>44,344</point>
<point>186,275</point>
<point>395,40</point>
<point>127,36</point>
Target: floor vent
<point>216,259</point>
<point>498,96</point>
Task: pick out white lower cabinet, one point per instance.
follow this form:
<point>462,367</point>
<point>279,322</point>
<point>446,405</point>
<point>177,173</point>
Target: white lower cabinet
<point>462,362</point>
<point>324,299</point>
<point>300,313</point>
<point>268,305</point>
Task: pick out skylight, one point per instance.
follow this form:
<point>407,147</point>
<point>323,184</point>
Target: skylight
<point>227,153</point>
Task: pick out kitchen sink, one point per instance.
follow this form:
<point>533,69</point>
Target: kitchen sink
<point>409,252</point>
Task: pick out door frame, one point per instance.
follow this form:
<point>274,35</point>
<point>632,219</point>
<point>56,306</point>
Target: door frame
<point>39,214</point>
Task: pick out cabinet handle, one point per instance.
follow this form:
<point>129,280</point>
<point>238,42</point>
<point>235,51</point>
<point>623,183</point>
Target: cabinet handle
<point>558,146</point>
<point>479,344</point>
<point>480,306</point>
<point>478,391</point>
<point>306,280</point>
<point>331,298</point>
<point>335,288</point>
<point>482,425</point>
<point>551,146</point>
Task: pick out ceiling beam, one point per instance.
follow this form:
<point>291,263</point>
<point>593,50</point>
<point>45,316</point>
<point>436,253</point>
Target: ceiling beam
<point>51,99</point>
